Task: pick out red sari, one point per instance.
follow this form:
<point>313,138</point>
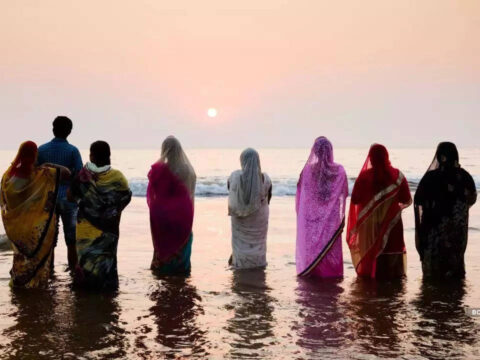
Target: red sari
<point>375,228</point>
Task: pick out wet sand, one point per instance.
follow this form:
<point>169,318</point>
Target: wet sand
<point>218,313</point>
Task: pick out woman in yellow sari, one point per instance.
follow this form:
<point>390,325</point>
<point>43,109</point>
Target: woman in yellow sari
<point>28,197</point>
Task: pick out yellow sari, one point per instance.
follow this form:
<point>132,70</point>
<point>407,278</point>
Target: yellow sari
<point>28,213</point>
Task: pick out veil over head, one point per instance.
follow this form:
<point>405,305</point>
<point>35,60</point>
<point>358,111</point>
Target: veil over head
<point>446,157</point>
<point>26,157</point>
<point>377,173</point>
<point>320,173</point>
<point>177,161</point>
<point>245,196</point>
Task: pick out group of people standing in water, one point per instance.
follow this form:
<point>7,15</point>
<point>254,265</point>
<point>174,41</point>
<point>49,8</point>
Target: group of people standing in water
<point>374,227</point>
<point>50,182</point>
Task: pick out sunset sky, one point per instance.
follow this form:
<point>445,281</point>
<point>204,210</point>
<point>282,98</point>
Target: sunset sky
<point>279,73</point>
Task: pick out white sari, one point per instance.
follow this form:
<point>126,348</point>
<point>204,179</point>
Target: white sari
<point>248,208</point>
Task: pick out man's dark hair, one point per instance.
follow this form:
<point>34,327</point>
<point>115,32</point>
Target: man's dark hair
<point>62,127</point>
<point>100,150</point>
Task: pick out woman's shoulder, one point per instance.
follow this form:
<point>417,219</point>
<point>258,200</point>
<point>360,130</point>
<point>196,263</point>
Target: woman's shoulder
<point>431,174</point>
<point>117,176</point>
<point>266,179</point>
<point>116,173</point>
<point>235,175</point>
<point>467,178</point>
<point>400,175</point>
<point>465,173</point>
<point>341,170</point>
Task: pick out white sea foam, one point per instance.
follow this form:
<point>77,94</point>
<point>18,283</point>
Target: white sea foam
<point>213,166</point>
<point>217,186</point>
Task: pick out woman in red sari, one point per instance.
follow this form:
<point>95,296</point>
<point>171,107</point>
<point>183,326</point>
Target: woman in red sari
<point>375,228</point>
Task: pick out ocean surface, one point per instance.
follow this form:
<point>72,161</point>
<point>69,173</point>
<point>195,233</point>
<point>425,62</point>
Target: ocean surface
<point>213,166</point>
<point>218,313</point>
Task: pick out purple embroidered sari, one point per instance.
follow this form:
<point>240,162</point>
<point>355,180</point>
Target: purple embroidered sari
<point>320,203</point>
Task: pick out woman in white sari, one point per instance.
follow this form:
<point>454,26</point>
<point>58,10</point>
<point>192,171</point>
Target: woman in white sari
<point>250,192</point>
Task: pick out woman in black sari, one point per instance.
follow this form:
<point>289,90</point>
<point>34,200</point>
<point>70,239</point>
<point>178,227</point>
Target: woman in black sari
<point>442,200</point>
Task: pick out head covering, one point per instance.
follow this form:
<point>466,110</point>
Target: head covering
<point>177,161</point>
<point>320,204</point>
<point>446,157</point>
<point>378,163</point>
<point>26,157</point>
<point>449,181</point>
<point>245,195</point>
<point>320,173</point>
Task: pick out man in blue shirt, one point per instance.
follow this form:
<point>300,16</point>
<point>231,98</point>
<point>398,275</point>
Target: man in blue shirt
<point>60,152</point>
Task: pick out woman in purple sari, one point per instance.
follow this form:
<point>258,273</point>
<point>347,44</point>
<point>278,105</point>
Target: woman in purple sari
<point>170,195</point>
<point>320,203</point>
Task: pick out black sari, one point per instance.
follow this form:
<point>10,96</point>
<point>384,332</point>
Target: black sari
<point>442,201</point>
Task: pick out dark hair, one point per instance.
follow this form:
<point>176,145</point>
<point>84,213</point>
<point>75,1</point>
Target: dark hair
<point>62,127</point>
<point>100,150</point>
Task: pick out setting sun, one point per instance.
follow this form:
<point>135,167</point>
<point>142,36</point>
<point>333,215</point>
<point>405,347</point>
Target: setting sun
<point>212,112</point>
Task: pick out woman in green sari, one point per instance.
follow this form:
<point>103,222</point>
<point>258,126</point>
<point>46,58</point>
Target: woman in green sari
<point>102,194</point>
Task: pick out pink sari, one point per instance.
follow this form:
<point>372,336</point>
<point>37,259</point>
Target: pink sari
<point>171,213</point>
<point>320,203</point>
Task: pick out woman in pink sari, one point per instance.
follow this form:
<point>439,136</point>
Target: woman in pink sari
<point>170,194</point>
<point>320,203</point>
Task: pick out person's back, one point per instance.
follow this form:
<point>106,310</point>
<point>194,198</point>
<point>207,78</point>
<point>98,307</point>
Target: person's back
<point>59,152</point>
<point>170,198</point>
<point>250,192</point>
<point>28,214</point>
<point>375,228</point>
<point>442,202</point>
<point>102,194</point>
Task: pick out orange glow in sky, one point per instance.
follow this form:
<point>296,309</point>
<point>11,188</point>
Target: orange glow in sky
<point>280,71</point>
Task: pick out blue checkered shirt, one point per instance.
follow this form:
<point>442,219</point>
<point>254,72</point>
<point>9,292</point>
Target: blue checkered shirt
<point>60,152</point>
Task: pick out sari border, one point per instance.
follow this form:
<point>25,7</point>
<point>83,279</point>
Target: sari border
<point>392,224</point>
<point>325,250</point>
<point>177,253</point>
<point>385,237</point>
<point>378,196</point>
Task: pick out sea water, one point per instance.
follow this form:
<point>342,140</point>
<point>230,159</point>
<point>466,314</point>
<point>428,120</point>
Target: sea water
<point>218,313</point>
